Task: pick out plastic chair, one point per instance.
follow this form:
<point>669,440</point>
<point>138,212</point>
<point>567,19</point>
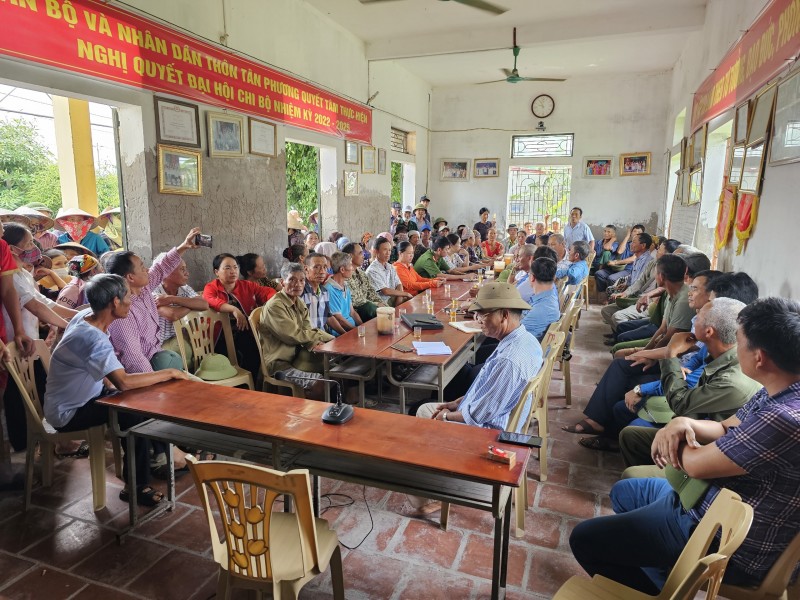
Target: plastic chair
<point>259,547</point>
<point>267,379</point>
<point>42,433</point>
<point>201,328</point>
<point>695,567</point>
<point>776,584</point>
<point>568,326</point>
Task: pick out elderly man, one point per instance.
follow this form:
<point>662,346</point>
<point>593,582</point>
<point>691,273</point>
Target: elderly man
<point>511,240</point>
<point>84,360</point>
<point>754,453</point>
<point>343,315</point>
<point>539,230</point>
<point>365,299</point>
<point>577,269</point>
<point>519,273</point>
<point>557,243</point>
<point>543,298</point>
<point>314,293</point>
<point>419,219</point>
<point>395,219</point>
<point>577,230</point>
<point>288,338</point>
<point>383,277</point>
<point>640,247</point>
<point>721,390</point>
<point>496,390</point>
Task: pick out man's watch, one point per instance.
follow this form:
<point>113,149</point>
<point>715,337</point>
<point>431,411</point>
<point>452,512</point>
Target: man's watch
<point>638,390</point>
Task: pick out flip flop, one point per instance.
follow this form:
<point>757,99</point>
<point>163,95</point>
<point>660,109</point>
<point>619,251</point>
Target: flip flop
<point>600,442</point>
<point>145,496</point>
<point>81,451</point>
<point>586,428</point>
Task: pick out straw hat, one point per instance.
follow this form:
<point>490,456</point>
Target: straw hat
<point>75,247</point>
<point>102,218</point>
<point>65,212</point>
<point>215,367</point>
<point>498,295</point>
<point>33,214</point>
<point>293,220</point>
<point>40,207</point>
<point>9,216</point>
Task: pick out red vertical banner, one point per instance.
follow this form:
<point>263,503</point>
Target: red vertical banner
<point>93,38</point>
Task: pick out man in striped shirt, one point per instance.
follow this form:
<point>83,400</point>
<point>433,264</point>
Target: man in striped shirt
<point>496,390</point>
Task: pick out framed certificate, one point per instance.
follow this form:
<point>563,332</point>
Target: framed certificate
<point>177,123</point>
<point>263,138</point>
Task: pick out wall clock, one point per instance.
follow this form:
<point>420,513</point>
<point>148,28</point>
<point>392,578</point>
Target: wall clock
<point>543,106</point>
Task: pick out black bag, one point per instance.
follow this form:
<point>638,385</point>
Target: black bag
<point>423,320</point>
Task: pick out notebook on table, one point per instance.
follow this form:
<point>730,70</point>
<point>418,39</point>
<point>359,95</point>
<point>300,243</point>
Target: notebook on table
<point>423,320</point>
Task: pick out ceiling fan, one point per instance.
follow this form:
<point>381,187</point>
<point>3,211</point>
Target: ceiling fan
<point>479,4</point>
<point>513,76</point>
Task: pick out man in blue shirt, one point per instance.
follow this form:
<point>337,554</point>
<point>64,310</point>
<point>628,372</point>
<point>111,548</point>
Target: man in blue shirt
<point>576,230</point>
<point>340,299</point>
<point>82,361</point>
<point>640,246</point>
<point>577,269</point>
<point>545,309</point>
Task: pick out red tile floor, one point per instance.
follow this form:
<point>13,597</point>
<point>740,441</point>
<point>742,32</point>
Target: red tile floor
<point>61,549</point>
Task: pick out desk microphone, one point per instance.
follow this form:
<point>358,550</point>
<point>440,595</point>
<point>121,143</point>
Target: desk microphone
<point>337,414</point>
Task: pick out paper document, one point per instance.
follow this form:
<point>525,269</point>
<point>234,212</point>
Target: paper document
<point>432,348</point>
<point>466,326</point>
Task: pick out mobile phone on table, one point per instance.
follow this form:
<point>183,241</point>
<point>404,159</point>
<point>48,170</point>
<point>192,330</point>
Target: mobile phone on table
<point>520,439</point>
<point>402,347</point>
<point>203,240</point>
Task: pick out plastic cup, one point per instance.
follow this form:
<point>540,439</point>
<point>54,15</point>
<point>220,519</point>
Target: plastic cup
<point>362,331</point>
<point>418,333</point>
<point>447,289</point>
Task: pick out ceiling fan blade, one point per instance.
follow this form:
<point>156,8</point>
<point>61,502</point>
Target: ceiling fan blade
<point>507,72</point>
<point>539,79</point>
<point>495,81</point>
<point>482,5</point>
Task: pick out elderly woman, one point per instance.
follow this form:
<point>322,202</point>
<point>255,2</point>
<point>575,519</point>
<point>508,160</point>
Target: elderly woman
<point>287,338</point>
<point>413,282</point>
<point>252,268</point>
<point>175,298</point>
<point>491,247</point>
<point>110,222</point>
<point>295,228</point>
<point>77,225</point>
<point>294,253</point>
<point>311,241</point>
<point>81,268</point>
<point>237,298</point>
<point>40,225</point>
<point>365,299</point>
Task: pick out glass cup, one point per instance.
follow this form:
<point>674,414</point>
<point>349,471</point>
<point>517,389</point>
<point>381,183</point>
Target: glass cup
<point>418,333</point>
<point>431,309</point>
<point>362,331</point>
<point>447,290</point>
<point>452,315</point>
<point>454,304</point>
<point>428,294</point>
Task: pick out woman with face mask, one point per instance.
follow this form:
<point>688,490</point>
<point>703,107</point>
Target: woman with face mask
<point>35,308</point>
<point>110,223</point>
<point>52,280</point>
<point>76,224</point>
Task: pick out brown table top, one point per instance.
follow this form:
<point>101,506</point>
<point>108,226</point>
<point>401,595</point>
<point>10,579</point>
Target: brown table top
<point>448,448</point>
<point>449,335</point>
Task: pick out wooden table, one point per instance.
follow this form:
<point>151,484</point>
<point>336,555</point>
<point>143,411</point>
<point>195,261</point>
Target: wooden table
<point>375,448</point>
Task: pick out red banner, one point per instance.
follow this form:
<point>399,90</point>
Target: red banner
<point>88,36</point>
<point>767,47</point>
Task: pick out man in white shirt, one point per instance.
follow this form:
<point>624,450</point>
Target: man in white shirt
<point>576,230</point>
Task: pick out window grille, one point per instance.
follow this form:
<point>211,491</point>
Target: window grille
<point>539,146</point>
<point>539,191</point>
<point>399,141</point>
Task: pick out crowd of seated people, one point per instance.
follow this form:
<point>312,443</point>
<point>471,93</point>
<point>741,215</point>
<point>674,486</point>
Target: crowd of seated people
<point>705,377</point>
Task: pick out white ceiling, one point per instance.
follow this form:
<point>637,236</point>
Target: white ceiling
<point>446,43</point>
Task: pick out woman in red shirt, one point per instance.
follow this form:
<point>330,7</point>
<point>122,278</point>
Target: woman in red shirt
<point>491,247</point>
<point>413,282</point>
<point>236,297</point>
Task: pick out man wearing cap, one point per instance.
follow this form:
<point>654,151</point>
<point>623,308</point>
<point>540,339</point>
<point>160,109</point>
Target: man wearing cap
<point>496,390</point>
<point>512,237</point>
<point>420,218</point>
<point>484,225</point>
<point>437,231</point>
<point>395,219</point>
<point>77,225</point>
<point>426,202</point>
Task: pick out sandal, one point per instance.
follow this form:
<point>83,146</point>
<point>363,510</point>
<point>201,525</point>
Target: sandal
<point>586,428</point>
<point>81,451</point>
<point>599,443</point>
<point>162,472</point>
<point>145,496</point>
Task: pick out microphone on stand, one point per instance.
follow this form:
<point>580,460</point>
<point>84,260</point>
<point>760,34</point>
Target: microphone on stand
<point>337,414</point>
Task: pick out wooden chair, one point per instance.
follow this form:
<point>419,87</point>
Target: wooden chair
<point>536,389</point>
<point>695,567</point>
<point>776,584</point>
<point>200,327</point>
<point>267,379</point>
<point>260,547</point>
<point>42,433</point>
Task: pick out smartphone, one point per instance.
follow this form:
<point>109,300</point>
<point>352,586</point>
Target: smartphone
<point>205,241</point>
<point>402,347</point>
<point>520,439</point>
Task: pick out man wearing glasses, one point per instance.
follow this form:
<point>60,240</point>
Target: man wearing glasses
<point>497,387</point>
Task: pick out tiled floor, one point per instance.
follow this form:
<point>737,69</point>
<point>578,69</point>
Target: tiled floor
<point>62,549</point>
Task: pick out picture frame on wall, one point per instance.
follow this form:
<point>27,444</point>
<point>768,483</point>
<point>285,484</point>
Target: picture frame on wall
<point>762,115</point>
<point>684,152</point>
<point>634,163</point>
<point>225,135</point>
<point>368,159</point>
<point>351,183</point>
<point>695,187</point>
<point>785,143</point>
<point>180,171</point>
<point>177,123</point>
<point>486,167</point>
<point>735,165</point>
<point>455,169</point>
<point>350,152</point>
<point>741,122</point>
<point>598,167</point>
<point>698,146</point>
<point>752,168</point>
<point>263,138</point>
<point>381,161</point>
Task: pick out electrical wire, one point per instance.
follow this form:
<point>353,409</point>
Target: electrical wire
<point>329,497</point>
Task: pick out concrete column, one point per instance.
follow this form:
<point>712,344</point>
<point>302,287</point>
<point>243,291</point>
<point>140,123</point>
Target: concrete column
<point>75,154</point>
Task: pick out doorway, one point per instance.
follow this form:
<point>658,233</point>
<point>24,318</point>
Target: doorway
<point>302,180</point>
<point>537,191</point>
